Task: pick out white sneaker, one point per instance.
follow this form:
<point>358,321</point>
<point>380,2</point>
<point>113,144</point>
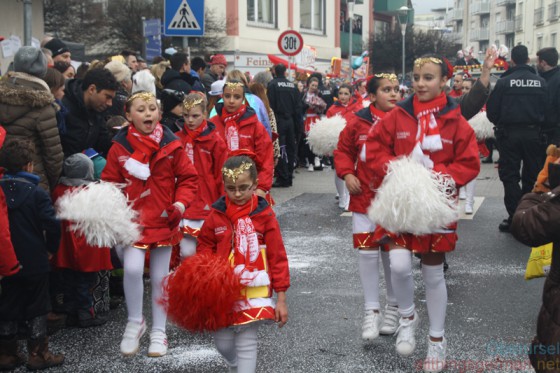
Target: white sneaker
<point>310,168</point>
<point>370,328</point>
<point>131,337</point>
<point>435,360</point>
<point>468,208</point>
<point>158,344</point>
<point>462,194</point>
<point>317,162</point>
<point>406,343</point>
<point>390,321</point>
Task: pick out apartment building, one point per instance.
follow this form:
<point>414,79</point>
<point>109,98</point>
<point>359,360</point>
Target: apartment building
<point>481,23</point>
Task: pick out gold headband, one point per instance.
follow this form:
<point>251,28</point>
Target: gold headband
<point>188,105</point>
<point>146,96</point>
<point>233,85</point>
<point>391,77</point>
<point>233,174</point>
<point>419,62</point>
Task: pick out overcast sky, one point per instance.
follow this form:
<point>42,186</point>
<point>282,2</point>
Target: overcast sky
<point>424,6</point>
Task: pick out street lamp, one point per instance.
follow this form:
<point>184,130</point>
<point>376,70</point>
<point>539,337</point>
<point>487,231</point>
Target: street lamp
<point>403,20</point>
<point>351,20</point>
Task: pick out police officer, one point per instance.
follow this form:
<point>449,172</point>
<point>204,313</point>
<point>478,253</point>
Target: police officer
<point>283,97</point>
<point>517,107</point>
<point>547,65</point>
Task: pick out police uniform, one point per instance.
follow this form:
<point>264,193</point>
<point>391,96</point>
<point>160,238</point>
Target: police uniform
<point>517,107</point>
<point>283,97</point>
<point>552,78</point>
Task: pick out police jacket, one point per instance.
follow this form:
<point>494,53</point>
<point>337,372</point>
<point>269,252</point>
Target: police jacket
<point>552,78</point>
<point>283,97</point>
<point>519,99</point>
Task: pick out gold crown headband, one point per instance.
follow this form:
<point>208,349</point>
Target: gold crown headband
<point>419,62</point>
<point>233,85</point>
<point>234,173</point>
<point>146,96</point>
<point>188,105</point>
<point>391,77</point>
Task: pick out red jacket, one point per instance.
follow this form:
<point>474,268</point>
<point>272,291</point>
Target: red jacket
<point>217,235</point>
<point>395,135</point>
<point>173,179</point>
<point>210,153</point>
<point>74,252</point>
<point>9,264</point>
<point>347,158</point>
<point>337,108</point>
<point>253,137</point>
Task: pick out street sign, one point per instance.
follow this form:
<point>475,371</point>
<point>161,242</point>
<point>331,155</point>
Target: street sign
<point>184,18</point>
<point>290,43</point>
<point>152,37</point>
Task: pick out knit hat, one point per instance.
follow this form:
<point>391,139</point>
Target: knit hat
<point>120,71</point>
<point>218,59</point>
<point>78,166</point>
<point>217,88</point>
<point>30,60</point>
<point>57,47</point>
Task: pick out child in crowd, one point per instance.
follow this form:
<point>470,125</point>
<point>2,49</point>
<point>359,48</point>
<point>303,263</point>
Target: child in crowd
<point>345,106</point>
<point>238,124</point>
<point>429,127</point>
<point>383,94</point>
<point>313,107</point>
<point>243,228</point>
<point>160,181</point>
<point>207,151</point>
<point>35,234</point>
<point>79,261</point>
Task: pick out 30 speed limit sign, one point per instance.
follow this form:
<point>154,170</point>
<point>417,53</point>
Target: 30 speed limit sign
<point>290,43</point>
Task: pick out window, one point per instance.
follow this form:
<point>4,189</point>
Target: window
<point>312,15</point>
<point>261,13</point>
<point>539,43</point>
<point>553,40</point>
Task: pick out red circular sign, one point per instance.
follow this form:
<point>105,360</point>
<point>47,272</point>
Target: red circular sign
<point>290,43</point>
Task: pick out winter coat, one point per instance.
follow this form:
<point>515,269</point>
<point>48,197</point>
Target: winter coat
<point>173,179</point>
<point>170,79</point>
<point>473,101</point>
<point>258,106</point>
<point>84,128</point>
<point>119,103</point>
<point>27,112</point>
<point>209,153</point>
<point>9,264</point>
<point>395,135</point>
<point>552,78</point>
<point>537,222</point>
<point>337,108</point>
<point>74,252</point>
<point>347,161</point>
<point>209,78</point>
<point>34,228</point>
<point>172,121</point>
<point>253,137</point>
<point>216,235</point>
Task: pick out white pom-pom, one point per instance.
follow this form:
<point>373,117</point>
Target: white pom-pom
<point>323,134</point>
<point>100,212</point>
<point>483,128</point>
<point>413,199</point>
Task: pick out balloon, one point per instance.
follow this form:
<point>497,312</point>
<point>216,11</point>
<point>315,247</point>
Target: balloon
<point>357,62</point>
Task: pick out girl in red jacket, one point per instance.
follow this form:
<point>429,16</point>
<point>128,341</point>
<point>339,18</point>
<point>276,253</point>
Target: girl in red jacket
<point>345,106</point>
<point>243,228</point>
<point>239,126</point>
<point>383,95</point>
<point>427,126</point>
<point>207,152</point>
<point>160,182</point>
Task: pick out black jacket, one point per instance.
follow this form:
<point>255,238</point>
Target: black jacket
<point>519,99</point>
<point>552,78</point>
<point>84,128</point>
<point>33,224</point>
<point>172,121</point>
<point>172,79</point>
<point>284,100</point>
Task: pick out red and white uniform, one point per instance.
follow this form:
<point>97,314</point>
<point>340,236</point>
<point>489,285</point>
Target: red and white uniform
<point>395,135</point>
<point>173,179</point>
<point>344,110</point>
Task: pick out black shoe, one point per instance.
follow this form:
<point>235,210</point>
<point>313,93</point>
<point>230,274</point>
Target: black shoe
<point>487,160</point>
<point>92,322</point>
<point>279,185</point>
<point>445,265</point>
<point>505,226</point>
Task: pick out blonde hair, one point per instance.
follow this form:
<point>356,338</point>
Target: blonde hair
<point>158,70</point>
<point>237,75</point>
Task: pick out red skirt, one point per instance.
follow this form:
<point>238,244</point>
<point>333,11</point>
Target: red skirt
<point>428,243</point>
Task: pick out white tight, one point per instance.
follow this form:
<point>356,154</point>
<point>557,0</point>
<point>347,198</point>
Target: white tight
<point>134,285</point>
<point>469,191</point>
<point>343,194</point>
<point>238,346</point>
<point>401,277</point>
<point>188,246</point>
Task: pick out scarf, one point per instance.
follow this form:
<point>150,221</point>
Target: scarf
<point>246,250</point>
<point>138,165</point>
<point>428,130</point>
<point>191,136</point>
<point>230,122</point>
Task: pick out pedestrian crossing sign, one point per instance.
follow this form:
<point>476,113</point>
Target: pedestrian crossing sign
<point>184,17</point>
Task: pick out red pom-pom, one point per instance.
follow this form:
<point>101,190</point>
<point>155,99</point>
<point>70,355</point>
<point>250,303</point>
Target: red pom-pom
<point>199,296</point>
